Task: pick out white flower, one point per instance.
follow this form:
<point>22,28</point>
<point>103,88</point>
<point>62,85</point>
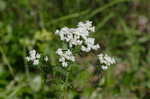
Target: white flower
<point>90,45</point>
<point>34,57</point>
<point>79,36</point>
<point>65,56</point>
<point>106,61</point>
<point>87,25</point>
<point>46,58</point>
<point>104,67</point>
<point>95,47</point>
<point>62,59</point>
<point>36,62</point>
<point>38,55</point>
<point>85,49</point>
<point>28,58</point>
<point>64,64</point>
<point>59,51</point>
<point>32,52</point>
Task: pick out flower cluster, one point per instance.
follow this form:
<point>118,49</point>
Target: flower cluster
<point>65,55</point>
<point>76,37</point>
<point>79,36</point>
<point>106,61</point>
<point>33,57</point>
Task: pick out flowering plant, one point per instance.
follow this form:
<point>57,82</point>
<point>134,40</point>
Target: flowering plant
<point>75,39</point>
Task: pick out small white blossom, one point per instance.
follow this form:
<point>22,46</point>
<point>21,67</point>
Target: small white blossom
<point>59,51</point>
<point>62,59</point>
<point>97,46</point>
<point>106,61</point>
<point>46,58</point>
<point>64,64</point>
<point>79,36</point>
<point>36,62</point>
<point>32,52</point>
<point>90,45</point>
<point>38,55</point>
<point>28,58</point>
<point>34,57</point>
<point>104,67</point>
<point>65,56</point>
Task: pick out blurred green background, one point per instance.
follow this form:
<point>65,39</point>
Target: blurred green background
<point>122,30</point>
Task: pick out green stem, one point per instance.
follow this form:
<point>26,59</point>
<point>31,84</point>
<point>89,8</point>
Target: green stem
<point>66,83</point>
<point>100,9</point>
<point>105,20</point>
<point>7,62</point>
<point>70,16</point>
<point>26,66</point>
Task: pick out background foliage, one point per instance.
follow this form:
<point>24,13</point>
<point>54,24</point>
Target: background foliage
<point>122,30</point>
